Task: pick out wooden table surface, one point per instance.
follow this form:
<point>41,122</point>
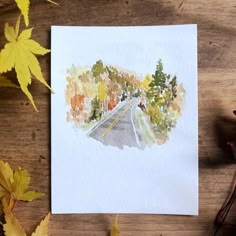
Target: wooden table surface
<point>25,134</point>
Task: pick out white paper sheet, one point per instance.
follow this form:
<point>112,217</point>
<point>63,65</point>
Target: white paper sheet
<point>107,155</point>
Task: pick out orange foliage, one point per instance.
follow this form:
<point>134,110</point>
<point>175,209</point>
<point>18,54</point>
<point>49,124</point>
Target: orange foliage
<point>77,102</point>
<point>77,109</point>
<point>112,103</point>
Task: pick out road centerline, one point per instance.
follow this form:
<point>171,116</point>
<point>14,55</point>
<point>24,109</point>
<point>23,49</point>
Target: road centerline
<point>110,127</point>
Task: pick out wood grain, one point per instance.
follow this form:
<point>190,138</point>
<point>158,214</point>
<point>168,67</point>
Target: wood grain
<point>25,134</point>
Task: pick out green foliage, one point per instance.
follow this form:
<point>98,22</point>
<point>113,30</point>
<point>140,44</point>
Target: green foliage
<point>98,69</point>
<point>96,112</point>
<point>162,91</point>
<point>159,78</point>
<point>156,116</point>
<point>162,86</point>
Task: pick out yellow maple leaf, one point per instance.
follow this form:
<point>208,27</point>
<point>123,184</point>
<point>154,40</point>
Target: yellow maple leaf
<point>20,186</point>
<point>4,82</point>
<point>115,228</point>
<point>14,184</point>
<point>12,226</point>
<point>42,229</point>
<point>6,178</point>
<point>23,5</point>
<point>19,53</point>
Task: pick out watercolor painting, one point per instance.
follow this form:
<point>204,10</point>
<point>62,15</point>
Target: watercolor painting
<point>117,107</point>
<point>124,119</point>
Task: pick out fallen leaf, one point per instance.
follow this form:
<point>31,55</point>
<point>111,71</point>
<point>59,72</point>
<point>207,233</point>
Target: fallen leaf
<point>4,82</point>
<point>42,229</point>
<point>23,5</point>
<point>12,226</point>
<point>20,186</point>
<point>115,228</point>
<point>14,185</point>
<point>19,53</point>
<point>6,178</point>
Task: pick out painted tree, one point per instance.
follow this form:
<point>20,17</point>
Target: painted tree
<point>98,69</point>
<point>102,94</point>
<point>146,82</point>
<point>77,113</point>
<point>173,87</point>
<point>102,91</point>
<point>114,94</point>
<point>102,88</point>
<point>160,95</point>
<point>96,112</point>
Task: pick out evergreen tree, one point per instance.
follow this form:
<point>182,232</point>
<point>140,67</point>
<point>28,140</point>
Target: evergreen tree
<point>162,91</point>
<point>157,84</point>
<point>159,78</point>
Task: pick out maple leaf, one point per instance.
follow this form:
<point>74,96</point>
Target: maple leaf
<point>19,53</point>
<point>14,185</point>
<point>12,226</point>
<point>4,82</point>
<point>23,5</point>
<point>6,178</point>
<point>20,186</point>
<point>42,229</point>
<point>115,228</point>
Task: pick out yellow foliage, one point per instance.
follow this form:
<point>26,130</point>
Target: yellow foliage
<point>23,5</point>
<point>115,228</point>
<point>102,91</point>
<point>20,185</point>
<point>6,179</point>
<point>145,83</point>
<point>19,53</point>
<point>13,187</point>
<point>12,226</point>
<point>42,229</point>
<point>14,184</point>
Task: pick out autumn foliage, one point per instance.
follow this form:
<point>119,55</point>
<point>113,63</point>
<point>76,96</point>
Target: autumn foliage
<point>92,92</point>
<point>14,186</point>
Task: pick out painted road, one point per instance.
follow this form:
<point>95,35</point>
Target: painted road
<point>120,129</point>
